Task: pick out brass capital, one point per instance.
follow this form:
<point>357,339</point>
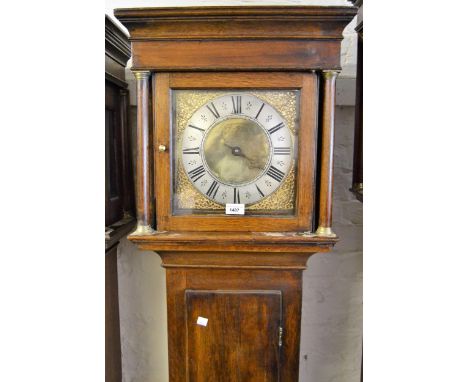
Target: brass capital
<point>329,74</point>
<point>141,74</point>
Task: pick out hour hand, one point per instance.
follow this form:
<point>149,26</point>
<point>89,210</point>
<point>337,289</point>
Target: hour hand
<point>235,150</point>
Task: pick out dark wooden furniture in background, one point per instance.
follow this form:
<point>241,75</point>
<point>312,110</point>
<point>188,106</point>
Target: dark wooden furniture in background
<point>119,195</point>
<point>120,200</point>
<point>358,181</point>
<point>247,283</point>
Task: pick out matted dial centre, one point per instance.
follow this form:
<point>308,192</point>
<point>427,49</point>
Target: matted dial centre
<point>236,150</point>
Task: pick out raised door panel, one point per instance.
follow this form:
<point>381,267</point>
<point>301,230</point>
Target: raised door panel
<point>240,341</point>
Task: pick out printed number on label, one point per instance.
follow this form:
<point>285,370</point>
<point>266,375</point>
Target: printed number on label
<point>235,209</point>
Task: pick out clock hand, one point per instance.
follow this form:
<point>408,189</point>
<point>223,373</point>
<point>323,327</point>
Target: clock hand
<point>237,151</point>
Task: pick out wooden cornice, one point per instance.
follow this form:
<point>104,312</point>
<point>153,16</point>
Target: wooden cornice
<point>242,10</point>
<point>239,22</point>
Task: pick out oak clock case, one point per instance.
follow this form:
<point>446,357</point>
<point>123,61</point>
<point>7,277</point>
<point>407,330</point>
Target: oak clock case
<point>237,147</point>
<point>235,105</point>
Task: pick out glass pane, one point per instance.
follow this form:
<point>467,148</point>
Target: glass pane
<point>234,146</point>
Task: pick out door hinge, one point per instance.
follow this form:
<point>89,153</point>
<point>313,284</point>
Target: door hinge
<point>280,336</point>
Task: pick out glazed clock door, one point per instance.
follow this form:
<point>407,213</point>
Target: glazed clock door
<point>233,336</point>
<point>234,138</point>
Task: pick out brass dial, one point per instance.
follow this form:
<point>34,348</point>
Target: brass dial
<point>236,149</point>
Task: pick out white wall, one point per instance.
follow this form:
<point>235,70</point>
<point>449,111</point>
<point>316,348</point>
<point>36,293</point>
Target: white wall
<point>331,331</point>
<point>143,326</point>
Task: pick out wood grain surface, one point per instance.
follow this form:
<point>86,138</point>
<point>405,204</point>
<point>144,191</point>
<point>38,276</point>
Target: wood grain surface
<point>328,134</point>
<point>238,282</point>
<point>236,38</point>
<point>302,221</point>
<point>241,339</point>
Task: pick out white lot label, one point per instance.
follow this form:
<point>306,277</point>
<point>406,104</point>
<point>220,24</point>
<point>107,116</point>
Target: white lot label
<point>235,209</point>
<point>202,321</point>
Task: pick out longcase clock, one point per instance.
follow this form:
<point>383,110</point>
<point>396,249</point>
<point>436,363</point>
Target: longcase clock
<point>234,175</point>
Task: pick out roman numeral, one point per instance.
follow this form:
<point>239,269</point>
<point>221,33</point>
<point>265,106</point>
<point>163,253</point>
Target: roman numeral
<point>259,111</point>
<point>196,173</point>
<point>282,151</point>
<point>213,189</point>
<point>236,104</point>
<point>260,191</point>
<point>274,129</point>
<point>276,174</point>
<point>198,128</point>
<point>213,111</point>
<point>236,196</point>
<point>191,150</point>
